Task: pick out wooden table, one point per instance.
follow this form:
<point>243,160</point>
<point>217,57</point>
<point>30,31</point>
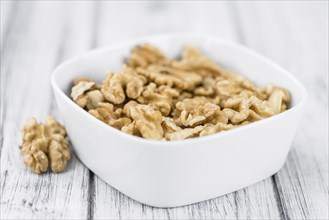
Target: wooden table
<point>38,35</point>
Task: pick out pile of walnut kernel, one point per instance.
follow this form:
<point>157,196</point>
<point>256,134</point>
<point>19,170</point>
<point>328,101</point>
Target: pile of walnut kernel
<point>158,98</point>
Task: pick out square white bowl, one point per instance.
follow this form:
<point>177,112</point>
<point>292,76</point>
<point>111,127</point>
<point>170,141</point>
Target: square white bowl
<point>176,173</point>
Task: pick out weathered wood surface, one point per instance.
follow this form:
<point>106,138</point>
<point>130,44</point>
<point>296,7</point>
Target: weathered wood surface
<point>38,35</point>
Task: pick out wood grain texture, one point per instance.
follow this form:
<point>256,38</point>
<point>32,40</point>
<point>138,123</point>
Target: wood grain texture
<point>36,36</point>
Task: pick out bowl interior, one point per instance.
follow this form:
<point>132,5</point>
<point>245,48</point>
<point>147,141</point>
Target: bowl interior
<point>97,63</point>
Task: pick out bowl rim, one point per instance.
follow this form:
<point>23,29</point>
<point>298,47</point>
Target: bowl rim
<point>230,43</point>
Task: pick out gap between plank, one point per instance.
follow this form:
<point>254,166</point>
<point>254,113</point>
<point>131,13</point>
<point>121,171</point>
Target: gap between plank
<point>91,195</point>
<point>93,44</point>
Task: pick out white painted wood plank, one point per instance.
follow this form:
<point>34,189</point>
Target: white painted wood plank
<point>41,35</point>
<point>295,35</point>
<point>123,21</point>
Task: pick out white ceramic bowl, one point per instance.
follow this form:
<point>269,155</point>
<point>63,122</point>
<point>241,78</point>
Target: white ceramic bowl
<point>175,173</point>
